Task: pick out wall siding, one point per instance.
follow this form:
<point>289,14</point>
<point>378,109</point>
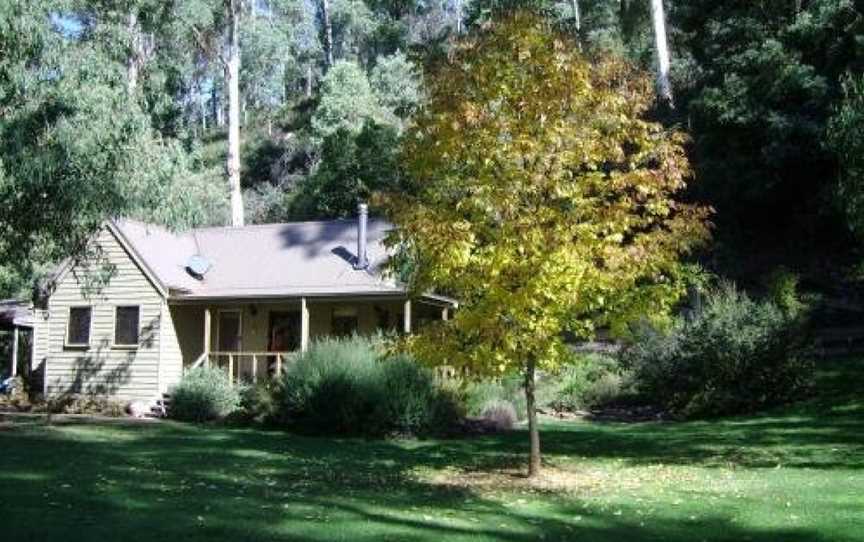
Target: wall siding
<point>102,368</point>
<point>171,367</point>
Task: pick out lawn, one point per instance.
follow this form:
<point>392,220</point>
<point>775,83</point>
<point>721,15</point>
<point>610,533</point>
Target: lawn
<point>795,474</point>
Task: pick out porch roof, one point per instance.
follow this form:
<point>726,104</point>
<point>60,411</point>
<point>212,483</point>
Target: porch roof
<point>289,259</point>
<point>15,313</point>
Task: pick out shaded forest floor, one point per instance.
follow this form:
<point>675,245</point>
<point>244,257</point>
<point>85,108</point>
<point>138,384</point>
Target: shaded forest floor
<point>795,474</point>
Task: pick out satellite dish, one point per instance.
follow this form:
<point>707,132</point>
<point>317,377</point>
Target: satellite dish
<point>197,266</point>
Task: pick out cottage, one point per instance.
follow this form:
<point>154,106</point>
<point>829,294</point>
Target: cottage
<point>144,304</point>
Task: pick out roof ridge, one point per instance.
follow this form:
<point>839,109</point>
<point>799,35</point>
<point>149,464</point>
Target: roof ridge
<point>272,225</point>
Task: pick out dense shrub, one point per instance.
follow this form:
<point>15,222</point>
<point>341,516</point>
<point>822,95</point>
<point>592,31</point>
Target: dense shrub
<point>204,394</point>
<point>737,355</point>
<point>478,394</point>
<point>588,380</point>
<point>258,403</point>
<point>343,386</point>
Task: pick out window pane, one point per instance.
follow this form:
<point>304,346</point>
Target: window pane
<point>126,326</point>
<point>79,325</point>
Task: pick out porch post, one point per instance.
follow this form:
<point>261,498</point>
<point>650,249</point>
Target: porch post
<point>207,336</point>
<point>406,324</point>
<point>15,351</point>
<point>445,313</point>
<point>304,325</point>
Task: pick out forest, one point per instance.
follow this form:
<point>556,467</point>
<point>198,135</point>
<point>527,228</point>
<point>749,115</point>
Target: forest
<point>213,112</point>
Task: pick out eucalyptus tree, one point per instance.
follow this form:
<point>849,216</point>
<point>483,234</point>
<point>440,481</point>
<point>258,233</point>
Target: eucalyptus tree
<point>215,26</point>
<point>81,146</point>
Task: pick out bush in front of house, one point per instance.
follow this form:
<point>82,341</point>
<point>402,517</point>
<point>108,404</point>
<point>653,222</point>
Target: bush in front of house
<point>330,389</point>
<point>348,386</point>
<point>738,355</point>
<point>204,394</point>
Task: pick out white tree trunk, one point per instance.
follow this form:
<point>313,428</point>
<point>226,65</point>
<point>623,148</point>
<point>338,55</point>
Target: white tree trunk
<point>664,85</point>
<point>328,33</point>
<point>577,16</point>
<point>232,87</point>
<point>132,62</point>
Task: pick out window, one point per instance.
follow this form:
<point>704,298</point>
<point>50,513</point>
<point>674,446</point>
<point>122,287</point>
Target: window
<point>78,330</point>
<point>344,322</point>
<point>126,326</point>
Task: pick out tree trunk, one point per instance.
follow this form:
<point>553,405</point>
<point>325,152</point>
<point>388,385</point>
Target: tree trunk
<point>458,16</point>
<point>577,17</point>
<point>133,61</point>
<point>203,103</point>
<point>533,430</point>
<point>309,80</point>
<point>328,34</point>
<point>232,87</point>
<point>664,85</point>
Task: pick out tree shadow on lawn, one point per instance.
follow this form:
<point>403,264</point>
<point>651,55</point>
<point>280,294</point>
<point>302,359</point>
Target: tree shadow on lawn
<point>823,432</point>
<point>86,482</point>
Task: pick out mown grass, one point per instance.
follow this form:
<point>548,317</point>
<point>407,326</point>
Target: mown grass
<point>794,474</point>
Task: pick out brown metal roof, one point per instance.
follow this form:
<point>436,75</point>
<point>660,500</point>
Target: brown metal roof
<point>289,259</point>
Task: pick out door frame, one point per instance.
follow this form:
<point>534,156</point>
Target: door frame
<point>271,317</point>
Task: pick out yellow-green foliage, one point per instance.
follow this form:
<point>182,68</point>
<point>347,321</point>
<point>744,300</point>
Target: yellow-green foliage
<point>544,198</point>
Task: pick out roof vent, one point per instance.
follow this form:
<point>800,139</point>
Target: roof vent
<point>197,266</point>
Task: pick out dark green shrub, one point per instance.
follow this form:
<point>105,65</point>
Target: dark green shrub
<point>258,403</point>
<point>342,386</point>
<point>204,394</point>
<point>407,399</point>
<point>330,387</point>
<point>737,356</point>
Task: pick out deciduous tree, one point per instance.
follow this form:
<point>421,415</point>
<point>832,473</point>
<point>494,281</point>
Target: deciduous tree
<point>543,200</point>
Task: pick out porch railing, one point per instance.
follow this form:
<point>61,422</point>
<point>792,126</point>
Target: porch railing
<point>246,366</point>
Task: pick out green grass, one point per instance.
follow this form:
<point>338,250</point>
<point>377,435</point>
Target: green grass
<point>796,474</point>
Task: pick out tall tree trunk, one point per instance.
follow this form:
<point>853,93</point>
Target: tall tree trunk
<point>203,103</point>
<point>309,80</point>
<point>458,17</point>
<point>664,85</point>
<point>577,16</point>
<point>133,61</point>
<point>328,34</point>
<point>533,430</point>
<point>218,110</point>
<point>232,87</point>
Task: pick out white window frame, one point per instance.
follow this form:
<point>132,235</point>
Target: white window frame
<point>66,342</point>
<point>114,343</point>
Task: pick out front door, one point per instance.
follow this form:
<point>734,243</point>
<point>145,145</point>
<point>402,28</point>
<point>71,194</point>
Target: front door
<point>284,331</point>
<point>229,331</point>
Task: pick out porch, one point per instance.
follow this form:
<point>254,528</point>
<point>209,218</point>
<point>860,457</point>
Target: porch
<point>255,340</point>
